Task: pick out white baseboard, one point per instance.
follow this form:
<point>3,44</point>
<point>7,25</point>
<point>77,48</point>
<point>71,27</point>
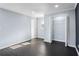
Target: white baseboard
<point>71,45</point>
<point>13,43</point>
<point>58,40</point>
<point>77,51</point>
<point>75,48</point>
<point>49,41</point>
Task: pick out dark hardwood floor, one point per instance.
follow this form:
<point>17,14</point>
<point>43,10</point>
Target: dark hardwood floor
<point>40,48</point>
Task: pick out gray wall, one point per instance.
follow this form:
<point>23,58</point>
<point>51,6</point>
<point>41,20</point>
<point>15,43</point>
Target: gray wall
<point>71,14</point>
<point>14,28</point>
<point>77,25</point>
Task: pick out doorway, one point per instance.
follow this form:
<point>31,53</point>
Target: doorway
<point>60,29</point>
<point>40,26</point>
<point>37,28</point>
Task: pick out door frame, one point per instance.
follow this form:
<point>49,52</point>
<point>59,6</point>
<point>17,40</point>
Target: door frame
<point>66,29</point>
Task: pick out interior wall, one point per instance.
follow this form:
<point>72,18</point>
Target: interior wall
<point>71,14</point>
<point>40,27</point>
<point>34,27</point>
<point>47,27</point>
<point>59,28</point>
<point>14,28</point>
<point>37,27</point>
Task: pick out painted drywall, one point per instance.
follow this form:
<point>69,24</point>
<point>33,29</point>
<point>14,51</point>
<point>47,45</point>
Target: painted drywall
<point>14,28</point>
<point>37,27</point>
<point>34,27</point>
<point>77,25</point>
<point>59,28</point>
<point>71,14</point>
<point>40,27</point>
<point>47,31</point>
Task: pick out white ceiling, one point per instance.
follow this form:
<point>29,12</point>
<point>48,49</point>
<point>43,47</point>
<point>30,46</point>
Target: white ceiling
<point>39,8</point>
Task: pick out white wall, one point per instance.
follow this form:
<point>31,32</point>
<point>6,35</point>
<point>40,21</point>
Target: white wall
<point>72,36</point>
<point>34,27</point>
<point>59,28</point>
<point>14,28</point>
<point>47,23</point>
<point>37,27</point>
<point>40,27</point>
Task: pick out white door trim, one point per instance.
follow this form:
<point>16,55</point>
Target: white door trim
<point>66,43</point>
<point>66,30</point>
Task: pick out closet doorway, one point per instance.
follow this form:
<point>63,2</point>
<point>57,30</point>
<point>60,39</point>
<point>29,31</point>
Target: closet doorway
<point>60,29</point>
